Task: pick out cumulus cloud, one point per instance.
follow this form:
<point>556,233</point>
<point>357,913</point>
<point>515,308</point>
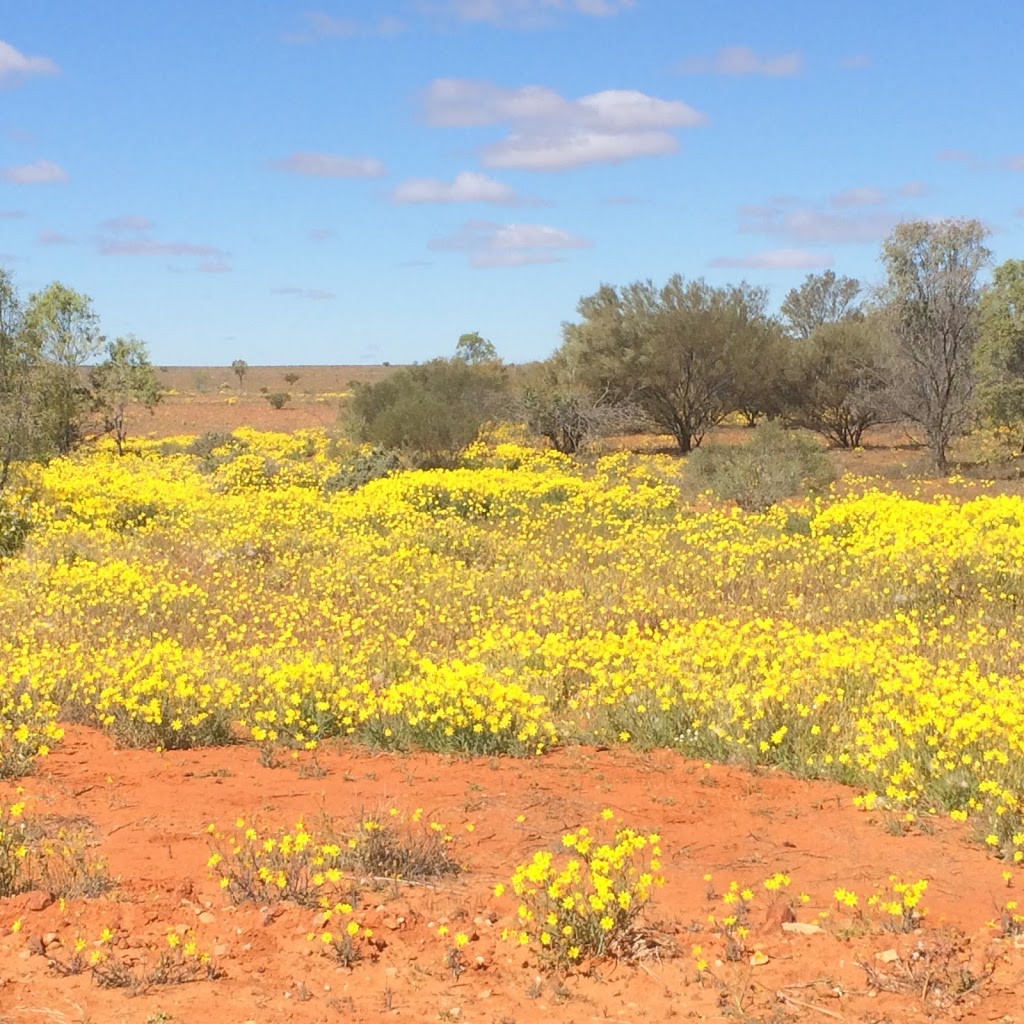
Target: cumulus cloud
<point>742,60</point>
<point>777,259</point>
<point>509,245</point>
<point>313,294</point>
<point>42,172</point>
<point>16,66</point>
<point>550,132</point>
<point>326,165</point>
<point>468,187</point>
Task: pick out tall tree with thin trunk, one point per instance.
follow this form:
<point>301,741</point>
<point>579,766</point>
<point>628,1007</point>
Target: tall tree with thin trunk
<point>125,378</point>
<point>821,299</point>
<point>931,307</point>
<point>999,357</point>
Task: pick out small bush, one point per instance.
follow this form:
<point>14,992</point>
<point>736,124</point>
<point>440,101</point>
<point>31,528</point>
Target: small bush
<point>363,467</point>
<point>278,399</point>
<point>588,900</point>
<point>14,528</point>
<point>774,464</point>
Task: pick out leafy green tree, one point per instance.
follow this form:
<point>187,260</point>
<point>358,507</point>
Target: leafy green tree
<point>673,351</point>
<point>19,369</point>
<point>836,381</point>
<point>931,305</point>
<point>64,330</point>
<point>240,367</point>
<point>821,299</point>
<point>125,378</point>
<point>433,409</point>
<point>474,349</point>
<point>999,357</point>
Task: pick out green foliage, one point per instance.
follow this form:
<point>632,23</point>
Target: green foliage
<point>999,357</point>
<point>931,305</point>
<point>773,465</point>
<point>433,409</point>
<point>240,367</point>
<point>835,381</point>
<point>278,399</point>
<point>14,528</point>
<point>126,377</point>
<point>685,353</point>
<point>821,299</point>
<point>361,468</point>
<point>474,349</point>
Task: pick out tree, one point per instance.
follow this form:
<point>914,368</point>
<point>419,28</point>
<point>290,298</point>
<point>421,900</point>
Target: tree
<point>64,331</point>
<point>554,403</point>
<point>673,351</point>
<point>474,349</point>
<point>125,378</point>
<point>821,299</point>
<point>835,381</point>
<point>240,368</point>
<point>291,378</point>
<point>999,357</point>
<point>433,409</point>
<point>19,365</point>
<point>931,305</point>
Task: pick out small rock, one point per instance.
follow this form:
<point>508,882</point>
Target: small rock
<point>206,917</point>
<point>778,914</point>
<point>800,928</point>
<point>486,994</point>
<point>393,923</point>
<point>391,972</point>
<point>220,949</point>
<point>38,901</point>
<point>51,939</point>
<point>887,956</point>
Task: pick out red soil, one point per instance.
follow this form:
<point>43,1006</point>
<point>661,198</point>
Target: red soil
<point>148,813</point>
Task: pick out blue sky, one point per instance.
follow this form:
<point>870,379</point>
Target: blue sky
<point>365,181</point>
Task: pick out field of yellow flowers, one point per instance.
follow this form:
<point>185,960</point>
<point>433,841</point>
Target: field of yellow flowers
<point>187,596</point>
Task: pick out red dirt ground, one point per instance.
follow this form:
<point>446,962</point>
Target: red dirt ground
<point>148,814</point>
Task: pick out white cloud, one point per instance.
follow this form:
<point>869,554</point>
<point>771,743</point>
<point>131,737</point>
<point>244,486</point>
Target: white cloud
<point>777,259</point>
<point>152,247</point>
<point>12,214</point>
<point>864,196</point>
<point>321,25</point>
<point>48,237</point>
<point>521,13</point>
<point>913,190</point>
<point>509,245</point>
<point>325,165</point>
<point>313,294</point>
<point>468,187</point>
<point>127,222</point>
<point>15,66</point>
<point>855,61</point>
<point>552,133</point>
<point>742,60</point>
<point>1014,163</point>
<point>214,267</point>
<point>559,153</point>
<point>42,172</point>
<point>805,224</point>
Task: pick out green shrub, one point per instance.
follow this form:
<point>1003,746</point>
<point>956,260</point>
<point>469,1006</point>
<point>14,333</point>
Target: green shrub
<point>14,528</point>
<point>774,464</point>
<point>361,469</point>
<point>278,399</point>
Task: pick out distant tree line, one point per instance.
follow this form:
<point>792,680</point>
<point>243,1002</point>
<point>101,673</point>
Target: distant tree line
<point>60,377</point>
<point>931,347</point>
